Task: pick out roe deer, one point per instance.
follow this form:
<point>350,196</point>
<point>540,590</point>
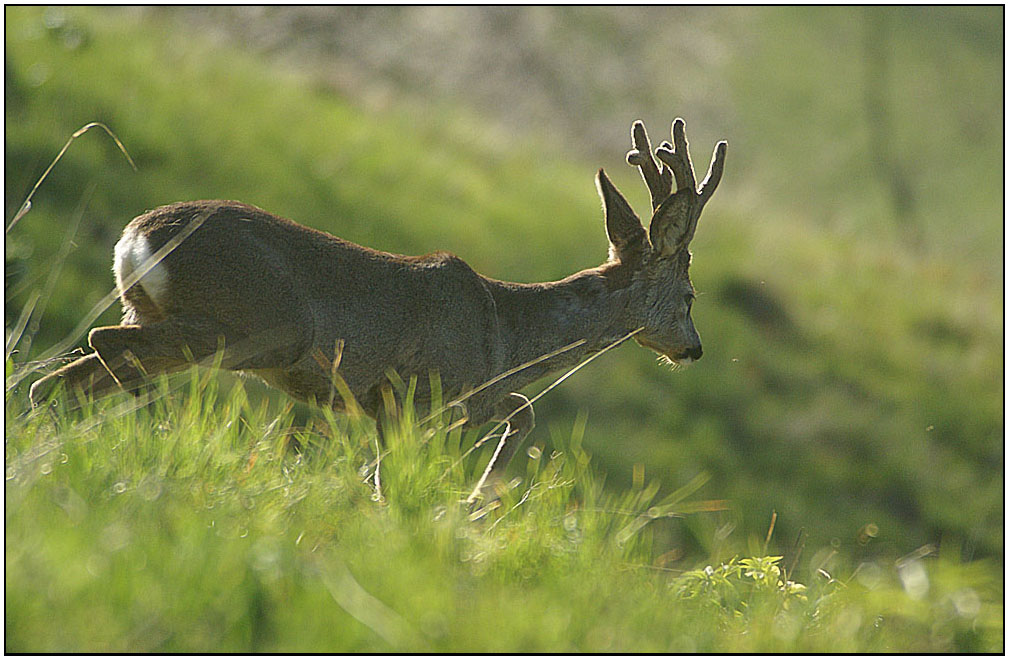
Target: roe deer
<point>277,299</point>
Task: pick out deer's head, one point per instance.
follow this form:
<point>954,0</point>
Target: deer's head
<point>656,263</point>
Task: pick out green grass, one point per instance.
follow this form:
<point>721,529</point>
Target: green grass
<point>203,522</point>
<point>852,378</point>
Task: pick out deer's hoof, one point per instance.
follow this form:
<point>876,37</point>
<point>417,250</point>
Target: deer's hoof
<point>42,390</point>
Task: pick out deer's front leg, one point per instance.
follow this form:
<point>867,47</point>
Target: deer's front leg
<point>522,422</point>
<point>518,411</point>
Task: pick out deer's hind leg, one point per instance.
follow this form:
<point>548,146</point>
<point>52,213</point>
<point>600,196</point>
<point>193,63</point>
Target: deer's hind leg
<point>132,353</point>
<point>87,375</point>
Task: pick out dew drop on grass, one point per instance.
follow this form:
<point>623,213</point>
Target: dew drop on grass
<point>685,644</point>
<point>786,627</point>
<point>265,555</point>
<point>534,452</point>
<point>95,565</point>
<point>570,523</point>
<point>46,468</point>
<point>119,488</point>
<point>967,603</point>
<point>115,537</point>
<point>54,18</point>
<point>149,489</point>
<point>914,579</point>
<point>869,575</point>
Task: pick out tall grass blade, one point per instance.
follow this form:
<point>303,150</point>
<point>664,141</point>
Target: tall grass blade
<point>27,205</point>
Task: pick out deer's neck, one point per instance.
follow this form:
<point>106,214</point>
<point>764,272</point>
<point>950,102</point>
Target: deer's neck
<point>537,319</point>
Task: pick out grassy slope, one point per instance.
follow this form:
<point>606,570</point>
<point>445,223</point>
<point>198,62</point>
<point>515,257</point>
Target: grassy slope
<point>788,410</point>
<point>127,532</point>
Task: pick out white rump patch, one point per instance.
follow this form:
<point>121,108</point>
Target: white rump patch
<point>133,253</point>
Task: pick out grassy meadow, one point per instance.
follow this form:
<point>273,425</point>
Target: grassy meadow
<point>851,303</point>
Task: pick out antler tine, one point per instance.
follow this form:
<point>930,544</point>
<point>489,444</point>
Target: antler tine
<point>678,158</point>
<point>659,181</point>
<point>714,172</point>
<point>674,222</point>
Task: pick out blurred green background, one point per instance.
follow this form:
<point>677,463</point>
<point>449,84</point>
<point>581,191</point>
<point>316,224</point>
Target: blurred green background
<point>850,268</point>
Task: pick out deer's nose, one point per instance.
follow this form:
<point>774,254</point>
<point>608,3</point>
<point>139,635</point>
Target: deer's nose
<point>694,353</point>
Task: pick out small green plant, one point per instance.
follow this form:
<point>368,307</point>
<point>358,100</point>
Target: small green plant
<point>733,585</point>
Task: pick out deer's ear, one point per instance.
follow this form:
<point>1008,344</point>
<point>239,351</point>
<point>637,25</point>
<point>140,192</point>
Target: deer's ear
<point>623,227</point>
<point>672,225</point>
